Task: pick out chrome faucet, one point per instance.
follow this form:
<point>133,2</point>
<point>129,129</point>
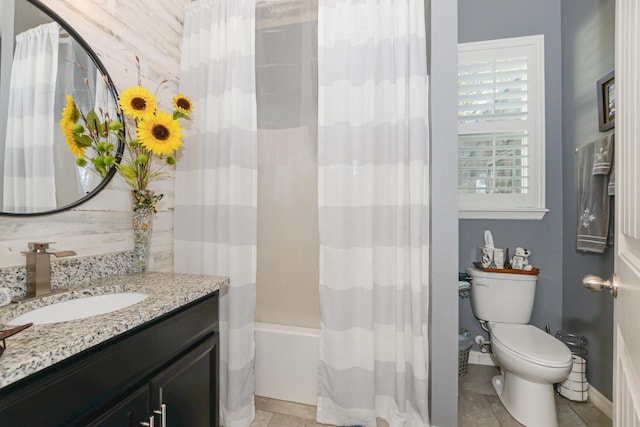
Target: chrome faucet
<point>39,268</point>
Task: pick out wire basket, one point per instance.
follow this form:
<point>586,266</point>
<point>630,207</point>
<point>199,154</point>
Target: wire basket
<point>575,387</point>
<point>463,361</point>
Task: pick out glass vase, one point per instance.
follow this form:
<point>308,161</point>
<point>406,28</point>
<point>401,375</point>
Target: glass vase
<point>144,208</point>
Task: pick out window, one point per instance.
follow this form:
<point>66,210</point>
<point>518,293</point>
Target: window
<point>501,131</point>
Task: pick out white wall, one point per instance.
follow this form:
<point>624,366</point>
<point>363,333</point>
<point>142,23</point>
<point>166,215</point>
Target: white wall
<point>117,30</point>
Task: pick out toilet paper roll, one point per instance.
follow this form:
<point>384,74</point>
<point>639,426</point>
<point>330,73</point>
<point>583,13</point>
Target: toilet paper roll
<point>576,396</point>
<point>577,377</point>
<point>579,364</point>
<point>579,386</point>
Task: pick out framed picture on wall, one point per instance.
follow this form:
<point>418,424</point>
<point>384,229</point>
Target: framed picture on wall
<point>606,87</point>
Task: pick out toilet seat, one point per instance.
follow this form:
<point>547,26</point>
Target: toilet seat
<point>531,344</point>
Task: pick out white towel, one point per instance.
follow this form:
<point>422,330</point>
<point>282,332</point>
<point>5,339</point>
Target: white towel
<point>593,196</point>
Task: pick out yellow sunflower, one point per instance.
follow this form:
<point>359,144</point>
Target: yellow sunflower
<point>69,139</point>
<point>137,102</point>
<point>160,134</point>
<point>182,104</point>
<point>70,115</point>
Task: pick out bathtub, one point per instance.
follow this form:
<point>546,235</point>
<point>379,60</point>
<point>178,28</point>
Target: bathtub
<point>286,362</point>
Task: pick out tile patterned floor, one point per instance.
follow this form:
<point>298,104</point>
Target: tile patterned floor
<point>278,413</point>
<point>478,406</point>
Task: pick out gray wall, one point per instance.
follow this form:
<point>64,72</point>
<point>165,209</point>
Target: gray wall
<point>494,19</point>
<point>588,54</point>
<point>443,362</point>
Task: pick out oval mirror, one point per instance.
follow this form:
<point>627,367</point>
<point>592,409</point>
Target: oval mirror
<point>42,60</point>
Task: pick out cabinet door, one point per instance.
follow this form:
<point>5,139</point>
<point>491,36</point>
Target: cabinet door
<point>130,412</point>
<point>188,388</point>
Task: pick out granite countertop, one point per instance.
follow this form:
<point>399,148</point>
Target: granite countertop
<point>41,346</point>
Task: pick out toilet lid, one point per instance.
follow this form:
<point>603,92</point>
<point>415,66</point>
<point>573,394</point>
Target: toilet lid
<point>532,344</point>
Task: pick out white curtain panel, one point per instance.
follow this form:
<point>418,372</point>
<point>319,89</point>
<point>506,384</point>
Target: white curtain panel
<point>216,183</point>
<point>29,172</point>
<point>373,212</point>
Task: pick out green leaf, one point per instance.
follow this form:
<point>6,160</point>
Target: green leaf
<point>83,140</point>
<point>127,172</point>
<point>180,115</point>
<point>115,126</point>
<point>81,162</point>
<point>131,181</point>
<point>104,130</point>
<point>98,164</point>
<point>93,122</point>
<point>171,160</point>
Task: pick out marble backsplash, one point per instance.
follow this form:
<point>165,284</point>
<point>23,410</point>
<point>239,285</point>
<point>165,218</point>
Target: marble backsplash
<point>71,271</point>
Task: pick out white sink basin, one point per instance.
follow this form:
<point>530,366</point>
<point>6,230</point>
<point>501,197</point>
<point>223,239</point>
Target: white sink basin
<point>78,308</point>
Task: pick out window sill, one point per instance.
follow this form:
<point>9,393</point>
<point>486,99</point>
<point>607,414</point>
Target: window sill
<point>519,214</point>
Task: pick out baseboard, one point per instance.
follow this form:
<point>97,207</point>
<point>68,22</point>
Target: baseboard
<point>600,401</point>
<point>480,358</point>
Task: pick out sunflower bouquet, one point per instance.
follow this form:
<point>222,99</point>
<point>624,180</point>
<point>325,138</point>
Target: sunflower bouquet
<point>91,135</point>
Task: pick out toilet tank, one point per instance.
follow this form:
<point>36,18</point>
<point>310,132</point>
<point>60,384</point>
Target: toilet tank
<point>502,297</point>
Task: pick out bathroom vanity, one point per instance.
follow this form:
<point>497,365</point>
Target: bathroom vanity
<point>154,363</point>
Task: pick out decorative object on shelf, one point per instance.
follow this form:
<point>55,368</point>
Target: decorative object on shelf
<point>490,256</point>
<point>520,260</point>
<point>10,332</point>
<point>144,207</point>
<point>507,261</point>
<point>91,137</point>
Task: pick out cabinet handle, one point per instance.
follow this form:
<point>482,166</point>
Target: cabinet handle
<point>150,423</point>
<point>163,414</point>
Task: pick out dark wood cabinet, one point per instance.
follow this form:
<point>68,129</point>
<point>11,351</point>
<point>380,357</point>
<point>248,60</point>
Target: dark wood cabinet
<point>131,411</point>
<point>172,360</point>
<point>181,395</point>
<point>186,389</point>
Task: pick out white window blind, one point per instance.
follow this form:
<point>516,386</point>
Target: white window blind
<point>501,128</point>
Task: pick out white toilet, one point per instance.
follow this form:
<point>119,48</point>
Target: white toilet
<point>531,361</point>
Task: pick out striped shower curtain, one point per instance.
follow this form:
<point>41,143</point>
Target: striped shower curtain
<point>216,183</point>
<point>29,170</point>
<point>373,212</point>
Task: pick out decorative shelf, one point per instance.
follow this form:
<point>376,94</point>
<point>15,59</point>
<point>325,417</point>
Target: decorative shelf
<point>533,272</point>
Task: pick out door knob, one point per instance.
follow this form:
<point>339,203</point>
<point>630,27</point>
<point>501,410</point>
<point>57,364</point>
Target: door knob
<point>597,284</point>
